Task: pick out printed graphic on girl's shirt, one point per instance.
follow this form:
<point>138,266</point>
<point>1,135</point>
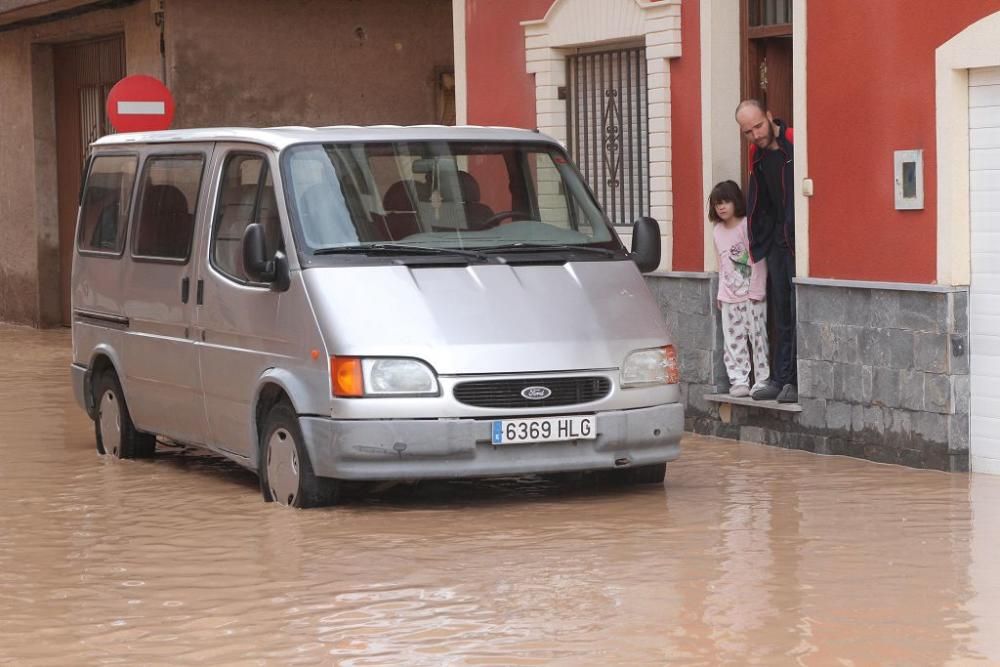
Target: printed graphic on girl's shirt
<point>737,272</point>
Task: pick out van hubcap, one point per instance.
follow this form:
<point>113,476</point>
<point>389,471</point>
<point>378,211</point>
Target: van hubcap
<point>282,467</point>
<point>111,428</point>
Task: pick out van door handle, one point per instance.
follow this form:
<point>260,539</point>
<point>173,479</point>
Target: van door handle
<point>185,289</point>
<point>200,293</point>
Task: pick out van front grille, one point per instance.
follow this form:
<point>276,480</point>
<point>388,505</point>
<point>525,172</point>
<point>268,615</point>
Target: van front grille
<point>511,393</point>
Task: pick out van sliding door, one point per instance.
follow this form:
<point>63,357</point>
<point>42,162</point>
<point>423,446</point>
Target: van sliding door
<point>163,380</point>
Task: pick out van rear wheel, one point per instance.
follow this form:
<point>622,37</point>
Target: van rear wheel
<point>115,433</point>
<point>286,474</point>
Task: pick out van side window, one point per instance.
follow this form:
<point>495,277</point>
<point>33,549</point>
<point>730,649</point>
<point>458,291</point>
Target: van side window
<point>104,210</point>
<point>167,204</point>
<point>246,195</point>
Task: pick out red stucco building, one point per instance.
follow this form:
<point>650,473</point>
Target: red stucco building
<point>897,135</point>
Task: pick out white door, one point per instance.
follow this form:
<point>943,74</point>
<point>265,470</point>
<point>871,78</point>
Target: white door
<point>984,307</point>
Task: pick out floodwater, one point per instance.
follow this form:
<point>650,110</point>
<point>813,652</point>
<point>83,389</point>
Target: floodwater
<point>747,555</point>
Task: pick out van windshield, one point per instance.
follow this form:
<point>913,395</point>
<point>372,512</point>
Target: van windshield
<point>347,197</point>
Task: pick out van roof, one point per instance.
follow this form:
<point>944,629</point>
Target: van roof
<point>281,137</point>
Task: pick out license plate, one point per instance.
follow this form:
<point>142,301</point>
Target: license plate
<point>548,429</point>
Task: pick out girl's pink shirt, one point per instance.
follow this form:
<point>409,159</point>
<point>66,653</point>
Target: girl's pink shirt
<point>740,278</point>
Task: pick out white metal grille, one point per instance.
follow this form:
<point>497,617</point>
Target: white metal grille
<point>609,129</point>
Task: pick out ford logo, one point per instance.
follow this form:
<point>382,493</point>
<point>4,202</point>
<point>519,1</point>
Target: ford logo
<point>536,393</point>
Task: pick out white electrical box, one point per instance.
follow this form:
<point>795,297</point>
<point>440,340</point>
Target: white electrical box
<point>908,174</point>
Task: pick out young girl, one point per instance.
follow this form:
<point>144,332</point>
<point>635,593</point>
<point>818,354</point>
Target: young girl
<point>742,285</point>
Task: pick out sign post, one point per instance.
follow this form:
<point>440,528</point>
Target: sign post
<point>140,103</point>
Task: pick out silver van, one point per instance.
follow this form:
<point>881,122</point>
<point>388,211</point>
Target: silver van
<point>367,303</point>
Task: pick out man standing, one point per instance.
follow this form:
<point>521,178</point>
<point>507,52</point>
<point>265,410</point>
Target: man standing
<point>771,226</point>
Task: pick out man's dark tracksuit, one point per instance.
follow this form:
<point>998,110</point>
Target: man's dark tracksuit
<point>771,227</point>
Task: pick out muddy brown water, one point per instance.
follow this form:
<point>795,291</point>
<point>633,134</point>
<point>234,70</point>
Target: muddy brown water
<point>747,554</point>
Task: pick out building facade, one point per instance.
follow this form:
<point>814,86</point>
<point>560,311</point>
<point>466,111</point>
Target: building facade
<point>897,127</point>
<point>897,162</point>
<point>227,62</point>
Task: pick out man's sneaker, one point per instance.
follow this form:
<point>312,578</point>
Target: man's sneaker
<point>768,392</point>
<point>739,391</point>
<point>789,394</point>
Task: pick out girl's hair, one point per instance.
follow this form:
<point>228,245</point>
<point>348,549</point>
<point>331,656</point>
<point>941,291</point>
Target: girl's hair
<point>723,192</point>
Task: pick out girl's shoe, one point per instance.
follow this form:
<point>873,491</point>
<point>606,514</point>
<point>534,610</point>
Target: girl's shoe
<point>739,391</point>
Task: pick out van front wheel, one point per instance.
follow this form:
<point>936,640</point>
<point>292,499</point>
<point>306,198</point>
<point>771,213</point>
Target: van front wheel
<point>113,428</point>
<point>286,474</point>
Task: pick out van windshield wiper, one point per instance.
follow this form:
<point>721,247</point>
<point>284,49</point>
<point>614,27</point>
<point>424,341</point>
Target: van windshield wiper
<point>545,247</point>
<point>397,249</point>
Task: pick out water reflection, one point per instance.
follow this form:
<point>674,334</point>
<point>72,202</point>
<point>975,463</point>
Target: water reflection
<point>748,554</point>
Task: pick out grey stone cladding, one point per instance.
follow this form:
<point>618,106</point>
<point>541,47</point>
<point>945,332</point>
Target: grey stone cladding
<point>687,301</point>
<point>883,370</point>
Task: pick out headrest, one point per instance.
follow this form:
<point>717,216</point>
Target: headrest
<point>165,198</point>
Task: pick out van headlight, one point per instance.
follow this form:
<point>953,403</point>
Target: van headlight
<point>656,365</point>
<point>361,376</point>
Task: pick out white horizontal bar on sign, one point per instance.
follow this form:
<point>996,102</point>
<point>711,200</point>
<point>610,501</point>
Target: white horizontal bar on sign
<point>142,108</point>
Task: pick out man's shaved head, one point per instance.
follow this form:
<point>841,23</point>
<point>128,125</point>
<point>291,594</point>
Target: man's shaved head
<point>756,124</point>
<point>750,103</point>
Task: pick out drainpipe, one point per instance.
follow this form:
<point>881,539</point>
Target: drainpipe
<point>159,19</point>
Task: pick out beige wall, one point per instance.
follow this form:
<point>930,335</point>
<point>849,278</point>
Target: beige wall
<point>18,259</point>
<point>228,62</point>
<point>29,252</point>
<point>309,62</point>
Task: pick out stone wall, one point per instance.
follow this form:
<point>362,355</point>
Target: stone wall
<point>883,370</point>
<point>687,301</point>
<point>884,373</point>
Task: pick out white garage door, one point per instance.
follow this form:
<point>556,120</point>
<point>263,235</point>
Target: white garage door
<point>984,307</point>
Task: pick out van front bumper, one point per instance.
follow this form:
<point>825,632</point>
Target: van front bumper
<point>448,448</point>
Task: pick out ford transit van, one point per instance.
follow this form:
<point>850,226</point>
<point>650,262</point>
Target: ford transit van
<point>323,305</point>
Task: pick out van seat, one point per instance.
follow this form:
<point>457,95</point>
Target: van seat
<point>400,210</point>
<point>166,225</point>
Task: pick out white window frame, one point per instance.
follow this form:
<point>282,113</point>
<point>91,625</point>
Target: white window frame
<point>573,24</point>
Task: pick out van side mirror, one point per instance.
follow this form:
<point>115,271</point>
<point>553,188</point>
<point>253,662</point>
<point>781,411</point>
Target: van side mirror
<point>646,244</point>
<point>257,266</point>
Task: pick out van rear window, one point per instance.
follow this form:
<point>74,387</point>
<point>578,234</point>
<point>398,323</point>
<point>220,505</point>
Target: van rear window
<point>167,204</point>
<point>104,211</point>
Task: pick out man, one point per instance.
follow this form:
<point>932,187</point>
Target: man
<point>771,226</point>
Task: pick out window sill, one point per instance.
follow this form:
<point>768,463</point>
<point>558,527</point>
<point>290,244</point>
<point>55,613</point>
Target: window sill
<point>766,405</point>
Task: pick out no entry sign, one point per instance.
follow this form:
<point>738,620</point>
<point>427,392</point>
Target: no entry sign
<point>140,103</point>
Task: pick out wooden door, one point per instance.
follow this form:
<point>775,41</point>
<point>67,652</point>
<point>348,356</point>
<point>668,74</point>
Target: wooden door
<point>84,74</point>
<point>766,31</point>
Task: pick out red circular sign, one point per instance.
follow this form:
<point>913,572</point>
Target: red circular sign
<point>140,103</point>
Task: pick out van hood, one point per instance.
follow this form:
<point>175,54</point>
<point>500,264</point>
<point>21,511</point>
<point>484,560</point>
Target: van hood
<point>489,318</point>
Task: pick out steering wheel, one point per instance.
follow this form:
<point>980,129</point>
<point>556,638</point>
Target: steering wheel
<point>494,220</point>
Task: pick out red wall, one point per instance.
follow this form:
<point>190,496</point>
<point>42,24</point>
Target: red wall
<point>685,100</point>
<point>871,92</point>
<point>501,92</point>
